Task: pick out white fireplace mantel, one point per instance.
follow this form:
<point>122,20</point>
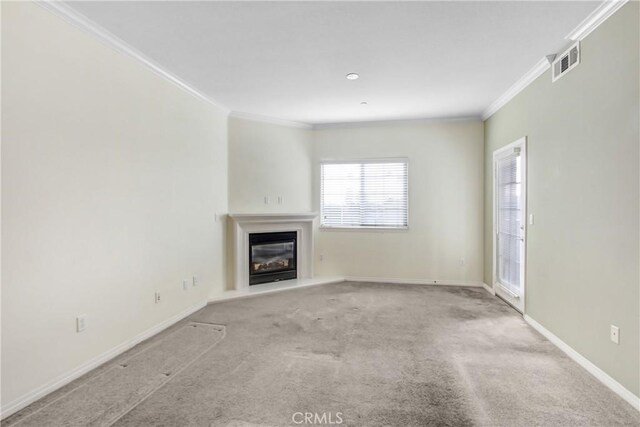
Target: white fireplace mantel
<point>247,223</point>
<point>273,217</point>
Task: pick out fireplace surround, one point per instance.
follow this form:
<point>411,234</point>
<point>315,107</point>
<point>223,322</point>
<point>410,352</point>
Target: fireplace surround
<point>243,225</point>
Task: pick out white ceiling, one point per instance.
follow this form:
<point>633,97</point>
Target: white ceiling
<point>288,60</point>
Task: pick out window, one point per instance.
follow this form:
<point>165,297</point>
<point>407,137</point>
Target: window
<point>364,193</point>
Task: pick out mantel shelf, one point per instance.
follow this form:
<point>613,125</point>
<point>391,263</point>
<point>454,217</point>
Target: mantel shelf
<point>273,217</point>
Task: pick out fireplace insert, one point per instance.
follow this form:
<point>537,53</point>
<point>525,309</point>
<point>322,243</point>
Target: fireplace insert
<point>272,257</point>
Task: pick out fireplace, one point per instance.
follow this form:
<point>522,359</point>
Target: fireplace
<point>243,225</point>
<point>272,257</point>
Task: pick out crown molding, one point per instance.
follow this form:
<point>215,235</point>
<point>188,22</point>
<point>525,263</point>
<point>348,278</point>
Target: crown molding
<point>392,122</point>
<point>268,119</point>
<point>590,23</point>
<point>80,21</point>
<point>593,21</point>
<point>345,125</point>
<point>535,72</point>
<point>595,18</point>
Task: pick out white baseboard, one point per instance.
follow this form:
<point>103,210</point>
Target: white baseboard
<point>604,378</point>
<point>489,289</point>
<point>269,288</point>
<point>414,281</point>
<point>64,379</point>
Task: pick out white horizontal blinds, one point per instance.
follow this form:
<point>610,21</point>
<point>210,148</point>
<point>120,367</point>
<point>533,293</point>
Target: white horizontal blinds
<point>509,200</point>
<point>364,193</point>
<point>341,190</point>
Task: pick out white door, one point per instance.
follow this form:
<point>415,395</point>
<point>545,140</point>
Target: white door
<point>509,219</point>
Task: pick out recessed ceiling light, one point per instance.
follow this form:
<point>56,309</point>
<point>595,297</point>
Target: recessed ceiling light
<point>352,76</point>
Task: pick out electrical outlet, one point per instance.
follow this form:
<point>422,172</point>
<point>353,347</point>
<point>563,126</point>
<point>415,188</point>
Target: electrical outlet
<point>195,281</point>
<point>321,257</point>
<point>157,297</point>
<point>81,323</point>
<point>615,334</point>
<point>530,219</point>
<point>185,284</point>
<point>461,262</point>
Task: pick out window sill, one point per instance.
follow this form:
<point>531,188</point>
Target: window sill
<point>366,229</point>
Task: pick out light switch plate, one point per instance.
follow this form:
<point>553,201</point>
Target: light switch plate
<point>615,334</point>
<point>81,323</point>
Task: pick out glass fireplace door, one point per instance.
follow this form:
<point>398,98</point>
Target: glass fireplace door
<point>272,257</point>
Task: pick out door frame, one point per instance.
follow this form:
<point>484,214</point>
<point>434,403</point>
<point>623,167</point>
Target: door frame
<point>497,288</point>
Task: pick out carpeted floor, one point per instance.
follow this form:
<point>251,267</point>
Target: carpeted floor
<point>364,354</point>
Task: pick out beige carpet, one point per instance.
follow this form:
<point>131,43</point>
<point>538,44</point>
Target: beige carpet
<point>365,354</point>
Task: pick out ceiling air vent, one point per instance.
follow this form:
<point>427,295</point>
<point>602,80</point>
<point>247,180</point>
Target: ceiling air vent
<point>566,62</point>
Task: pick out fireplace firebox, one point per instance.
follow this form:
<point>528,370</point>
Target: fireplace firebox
<point>272,257</point>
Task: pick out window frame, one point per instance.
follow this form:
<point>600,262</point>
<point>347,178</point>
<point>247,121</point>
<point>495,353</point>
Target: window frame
<point>399,228</point>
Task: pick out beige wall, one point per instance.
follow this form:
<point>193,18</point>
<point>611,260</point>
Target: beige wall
<point>111,177</point>
<point>445,204</point>
<point>268,160</point>
<point>582,251</point>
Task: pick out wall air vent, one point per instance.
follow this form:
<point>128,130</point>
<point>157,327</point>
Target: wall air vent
<point>565,62</point>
